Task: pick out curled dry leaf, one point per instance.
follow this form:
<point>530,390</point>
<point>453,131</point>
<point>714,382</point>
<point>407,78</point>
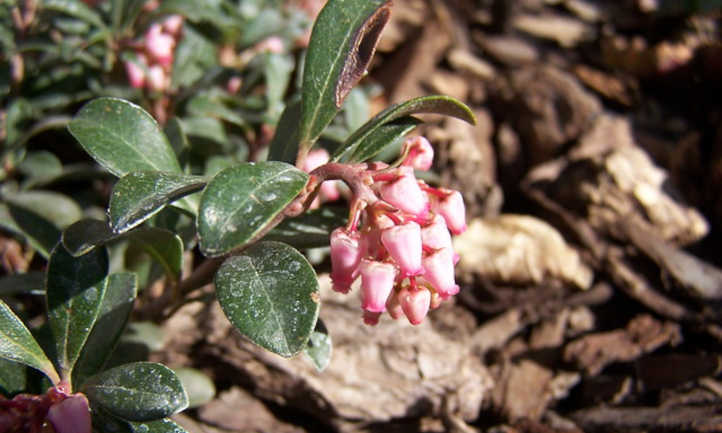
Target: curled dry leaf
<point>519,249</point>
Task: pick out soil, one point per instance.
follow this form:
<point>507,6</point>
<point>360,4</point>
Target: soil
<point>590,273</point>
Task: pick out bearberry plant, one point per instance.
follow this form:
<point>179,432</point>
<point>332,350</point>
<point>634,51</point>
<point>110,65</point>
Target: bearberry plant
<point>245,215</point>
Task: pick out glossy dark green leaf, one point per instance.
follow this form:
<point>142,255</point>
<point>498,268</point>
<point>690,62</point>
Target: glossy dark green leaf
<point>434,104</point>
<point>85,235</point>
<point>32,283</point>
<point>284,146</point>
<point>342,43</point>
<point>319,347</point>
<point>75,287</point>
<point>241,201</point>
<point>311,229</point>
<point>194,55</point>
<point>139,195</point>
<point>109,325</point>
<point>176,137</point>
<point>40,233</point>
<point>163,245</point>
<point>122,137</point>
<point>141,391</point>
<point>385,135</point>
<point>164,425</point>
<point>75,8</point>
<point>199,387</point>
<point>270,293</point>
<point>13,378</point>
<point>17,344</point>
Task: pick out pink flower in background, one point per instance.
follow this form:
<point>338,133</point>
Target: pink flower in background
<point>136,72</point>
<point>159,45</point>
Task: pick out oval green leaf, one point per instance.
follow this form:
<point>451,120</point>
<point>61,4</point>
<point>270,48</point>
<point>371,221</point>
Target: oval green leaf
<point>122,137</point>
<point>311,229</point>
<point>17,344</point>
<point>342,43</point>
<point>434,104</point>
<point>270,293</point>
<point>75,287</point>
<point>59,209</point>
<point>112,317</point>
<point>40,233</point>
<point>86,234</point>
<point>199,387</point>
<point>141,391</point>
<point>284,145</point>
<point>139,195</point>
<point>241,201</point>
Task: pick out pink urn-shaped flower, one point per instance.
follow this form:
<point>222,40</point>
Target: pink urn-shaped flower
<point>135,71</point>
<point>453,210</point>
<point>421,154</point>
<point>72,415</point>
<point>345,257</point>
<point>377,282</point>
<point>405,194</point>
<point>415,303</point>
<point>159,45</point>
<point>436,235</point>
<point>439,271</point>
<point>403,243</point>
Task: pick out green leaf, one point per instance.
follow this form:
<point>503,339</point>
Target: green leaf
<point>141,391</point>
<point>86,234</point>
<point>177,137</point>
<point>194,55</point>
<point>40,233</point>
<point>13,378</point>
<point>75,287</point>
<point>58,209</point>
<point>75,8</point>
<point>40,165</point>
<point>385,135</point>
<point>356,109</point>
<point>311,229</point>
<point>164,425</point>
<point>199,387</point>
<point>434,104</point>
<point>139,195</point>
<point>112,317</point>
<point>241,201</point>
<point>103,422</point>
<point>163,245</point>
<point>32,283</point>
<point>319,347</point>
<point>17,344</point>
<point>277,69</point>
<point>122,137</point>
<point>207,106</point>
<point>284,146</point>
<point>270,293</point>
<point>342,43</point>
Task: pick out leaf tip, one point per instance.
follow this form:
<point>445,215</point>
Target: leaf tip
<point>362,50</point>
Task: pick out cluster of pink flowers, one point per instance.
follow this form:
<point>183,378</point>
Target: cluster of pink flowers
<point>398,239</point>
<point>56,411</point>
<point>153,61</point>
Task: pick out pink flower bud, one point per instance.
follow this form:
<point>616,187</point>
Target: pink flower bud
<point>159,45</point>
<point>329,191</point>
<point>421,154</point>
<point>173,24</point>
<point>439,271</point>
<point>72,415</point>
<point>415,303</point>
<point>436,235</point>
<point>272,44</point>
<point>157,78</point>
<point>452,209</point>
<point>371,318</point>
<point>393,306</point>
<point>234,84</point>
<point>403,242</point>
<point>315,159</point>
<point>135,71</point>
<point>405,194</point>
<point>377,282</point>
<point>345,257</point>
